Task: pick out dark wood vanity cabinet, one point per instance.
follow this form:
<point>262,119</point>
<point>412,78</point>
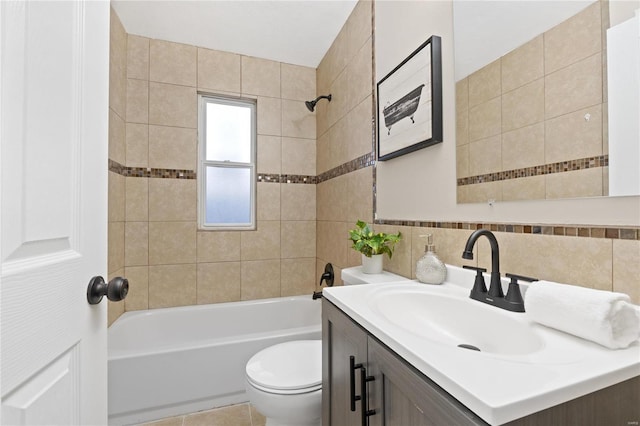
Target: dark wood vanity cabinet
<point>399,395</point>
<point>396,393</point>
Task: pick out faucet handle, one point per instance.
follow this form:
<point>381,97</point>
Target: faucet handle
<point>514,297</point>
<point>479,286</point>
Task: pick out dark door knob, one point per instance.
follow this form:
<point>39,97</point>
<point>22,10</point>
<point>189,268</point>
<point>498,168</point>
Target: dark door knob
<point>116,290</point>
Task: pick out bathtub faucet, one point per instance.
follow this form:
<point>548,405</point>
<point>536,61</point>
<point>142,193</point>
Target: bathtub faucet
<point>327,276</point>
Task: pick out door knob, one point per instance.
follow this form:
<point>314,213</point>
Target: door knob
<point>116,290</point>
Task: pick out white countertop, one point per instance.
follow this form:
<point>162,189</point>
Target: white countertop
<point>498,388</point>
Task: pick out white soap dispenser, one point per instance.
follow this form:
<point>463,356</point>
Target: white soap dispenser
<point>429,268</point>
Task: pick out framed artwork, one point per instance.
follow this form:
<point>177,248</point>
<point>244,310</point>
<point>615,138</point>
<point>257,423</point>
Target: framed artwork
<point>410,103</point>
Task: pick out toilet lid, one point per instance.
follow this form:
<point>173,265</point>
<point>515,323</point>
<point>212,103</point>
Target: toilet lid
<point>287,366</point>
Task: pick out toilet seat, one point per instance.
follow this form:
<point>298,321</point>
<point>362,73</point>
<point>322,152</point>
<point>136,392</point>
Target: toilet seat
<point>287,368</point>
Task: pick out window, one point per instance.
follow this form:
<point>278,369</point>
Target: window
<point>227,170</point>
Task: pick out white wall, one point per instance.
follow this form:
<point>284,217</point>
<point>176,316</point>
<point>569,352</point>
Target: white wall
<point>422,185</point>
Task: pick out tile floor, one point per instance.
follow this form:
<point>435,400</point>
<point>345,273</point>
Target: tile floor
<point>232,415</point>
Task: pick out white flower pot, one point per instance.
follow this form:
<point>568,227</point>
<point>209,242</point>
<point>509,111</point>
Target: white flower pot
<point>372,265</point>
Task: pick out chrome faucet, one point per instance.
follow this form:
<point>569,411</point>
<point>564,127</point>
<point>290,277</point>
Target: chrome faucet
<point>495,296</point>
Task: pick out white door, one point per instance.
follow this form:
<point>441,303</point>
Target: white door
<point>53,211</point>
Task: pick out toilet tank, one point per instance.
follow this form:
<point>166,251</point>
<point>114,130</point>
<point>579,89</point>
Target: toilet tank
<point>354,275</point>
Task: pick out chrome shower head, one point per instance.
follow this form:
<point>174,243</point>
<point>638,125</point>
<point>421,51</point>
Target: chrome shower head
<point>311,105</point>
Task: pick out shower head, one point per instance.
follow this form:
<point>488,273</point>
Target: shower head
<point>311,105</point>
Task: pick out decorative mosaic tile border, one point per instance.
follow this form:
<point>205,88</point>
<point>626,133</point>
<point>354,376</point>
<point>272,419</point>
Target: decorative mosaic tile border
<point>629,233</point>
<point>150,172</point>
<point>118,168</point>
<point>361,162</point>
<point>545,169</point>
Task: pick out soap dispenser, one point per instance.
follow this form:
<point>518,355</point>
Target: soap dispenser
<point>429,268</point>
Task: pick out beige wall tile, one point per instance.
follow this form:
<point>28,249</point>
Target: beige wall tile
<point>462,127</point>
<point>523,65</point>
<point>137,199</point>
<point>359,200</point>
<point>215,246</point>
<point>573,136</point>
<point>359,28</point>
<point>137,57</point>
<point>297,120</point>
<point>173,148</point>
<point>578,183</point>
<point>336,143</point>
<point>483,192</point>
<point>485,84</point>
<point>269,154</point>
<point>172,285</point>
<point>218,70</point>
<point>462,194</point>
<point>260,279</point>
<point>626,268</point>
<point>523,106</point>
<point>172,63</point>
<point>331,199</point>
<point>268,201</point>
<point>462,161</point>
<point>524,147</point>
<point>485,120</point>
<point>334,61</point>
<point>298,83</point>
<point>485,156</point>
<point>114,309</point>
<point>116,197</point>
<point>359,76</point>
<point>172,243</point>
<point>136,243</point>
<point>299,156</point>
<point>574,39</point>
<point>260,77</point>
<point>115,251</point>
<point>359,128</point>
<point>117,65</point>
<point>172,200</point>
<point>322,154</point>
<point>545,257</point>
<point>137,145</point>
<point>400,263</point>
<point>298,239</point>
<point>462,94</point>
<point>171,421</point>
<point>117,144</point>
<point>171,105</point>
<point>137,101</point>
<point>337,108</point>
<point>234,415</point>
<point>297,276</point>
<point>263,243</point>
<point>270,116</point>
<point>522,189</point>
<point>138,296</point>
<point>298,201</point>
<point>574,87</point>
<point>218,282</point>
<point>332,242</point>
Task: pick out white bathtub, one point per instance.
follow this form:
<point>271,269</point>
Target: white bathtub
<point>167,362</point>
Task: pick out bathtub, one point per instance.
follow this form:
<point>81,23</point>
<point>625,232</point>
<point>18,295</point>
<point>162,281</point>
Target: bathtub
<point>173,361</point>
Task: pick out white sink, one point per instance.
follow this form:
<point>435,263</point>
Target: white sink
<point>454,321</point>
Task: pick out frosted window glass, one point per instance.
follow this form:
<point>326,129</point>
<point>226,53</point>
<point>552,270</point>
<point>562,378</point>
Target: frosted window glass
<point>228,192</point>
<point>228,133</point>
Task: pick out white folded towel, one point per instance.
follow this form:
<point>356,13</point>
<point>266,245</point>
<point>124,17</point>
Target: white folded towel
<point>604,317</point>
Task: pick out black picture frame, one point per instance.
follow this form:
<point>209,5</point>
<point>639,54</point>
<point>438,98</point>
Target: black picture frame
<point>409,101</point>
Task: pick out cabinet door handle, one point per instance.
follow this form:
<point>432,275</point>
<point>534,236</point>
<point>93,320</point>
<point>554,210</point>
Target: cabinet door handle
<point>352,382</point>
<point>363,389</point>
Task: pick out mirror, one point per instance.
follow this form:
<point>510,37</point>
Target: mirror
<point>532,108</point>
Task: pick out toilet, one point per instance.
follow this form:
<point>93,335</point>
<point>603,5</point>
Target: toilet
<point>284,381</point>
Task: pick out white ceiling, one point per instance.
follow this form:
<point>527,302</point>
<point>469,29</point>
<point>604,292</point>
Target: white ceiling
<point>296,32</point>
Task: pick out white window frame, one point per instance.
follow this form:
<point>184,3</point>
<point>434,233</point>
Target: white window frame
<point>203,100</point>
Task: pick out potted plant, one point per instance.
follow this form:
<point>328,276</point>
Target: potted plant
<point>372,245</point>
